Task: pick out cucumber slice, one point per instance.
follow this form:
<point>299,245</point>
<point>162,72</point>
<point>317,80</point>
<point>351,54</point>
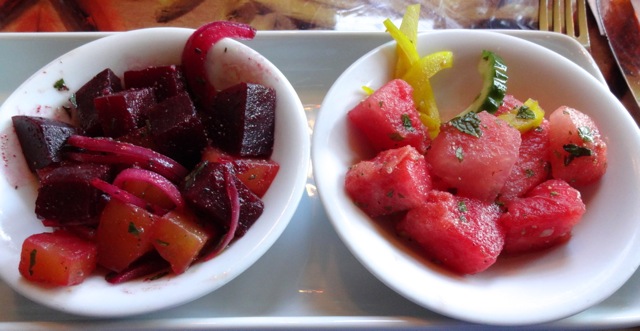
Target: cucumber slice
<point>494,86</point>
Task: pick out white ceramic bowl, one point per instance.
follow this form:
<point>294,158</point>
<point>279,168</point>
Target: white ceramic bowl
<point>136,50</point>
<point>604,251</point>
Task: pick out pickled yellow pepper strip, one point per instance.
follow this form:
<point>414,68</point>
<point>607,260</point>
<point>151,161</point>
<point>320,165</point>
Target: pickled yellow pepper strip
<point>418,77</point>
<point>409,27</point>
<point>407,51</point>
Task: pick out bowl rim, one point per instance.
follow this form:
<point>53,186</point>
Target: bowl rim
<point>202,278</point>
<point>344,225</point>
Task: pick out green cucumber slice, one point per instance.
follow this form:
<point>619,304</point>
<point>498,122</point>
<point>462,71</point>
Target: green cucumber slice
<point>494,86</point>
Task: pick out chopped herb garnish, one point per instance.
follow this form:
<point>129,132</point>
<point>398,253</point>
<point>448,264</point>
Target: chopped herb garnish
<point>585,134</point>
<point>60,85</point>
<point>396,136</point>
<point>525,113</point>
<point>162,243</point>
<point>406,122</point>
<point>575,151</point>
<point>459,154</point>
<point>390,194</point>
<point>32,260</point>
<point>380,104</point>
<point>133,230</point>
<point>462,207</point>
<point>529,173</point>
<point>468,123</point>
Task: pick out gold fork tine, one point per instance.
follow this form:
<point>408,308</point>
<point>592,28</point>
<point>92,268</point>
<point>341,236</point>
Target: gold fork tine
<point>561,18</point>
<point>543,16</point>
<point>558,19</point>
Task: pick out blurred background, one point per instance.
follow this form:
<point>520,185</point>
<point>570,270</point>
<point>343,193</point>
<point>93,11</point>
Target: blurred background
<point>349,15</point>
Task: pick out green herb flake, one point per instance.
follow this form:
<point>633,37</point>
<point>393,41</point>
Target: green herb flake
<point>462,207</point>
<point>133,230</point>
<point>529,173</point>
<point>390,194</point>
<point>575,151</point>
<point>32,260</point>
<point>459,154</point>
<point>60,85</point>
<point>525,113</point>
<point>468,123</point>
<point>396,136</point>
<point>162,243</point>
<point>406,122</point>
<point>586,134</point>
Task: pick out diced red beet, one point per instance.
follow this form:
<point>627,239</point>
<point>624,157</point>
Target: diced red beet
<point>543,218</point>
<point>122,112</point>
<point>66,194</point>
<point>242,120</point>
<point>395,180</point>
<point>41,139</point>
<point>578,151</point>
<point>205,191</point>
<point>177,130</point>
<point>476,166</point>
<point>532,166</point>
<point>57,258</point>
<point>388,118</point>
<point>83,110</point>
<point>139,137</point>
<point>166,81</point>
<point>460,233</point>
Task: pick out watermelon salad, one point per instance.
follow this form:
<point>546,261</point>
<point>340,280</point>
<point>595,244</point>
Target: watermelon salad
<point>157,170</point>
<point>500,178</point>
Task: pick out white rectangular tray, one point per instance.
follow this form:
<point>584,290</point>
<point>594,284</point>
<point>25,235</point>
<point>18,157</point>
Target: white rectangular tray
<point>308,279</point>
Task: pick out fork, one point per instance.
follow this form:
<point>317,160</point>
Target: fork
<point>562,19</point>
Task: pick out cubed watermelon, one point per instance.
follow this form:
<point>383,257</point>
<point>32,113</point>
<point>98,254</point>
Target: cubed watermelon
<point>475,157</point>
<point>395,180</point>
<point>543,218</point>
<point>460,233</point>
<point>388,118</point>
<point>578,151</point>
<point>532,166</point>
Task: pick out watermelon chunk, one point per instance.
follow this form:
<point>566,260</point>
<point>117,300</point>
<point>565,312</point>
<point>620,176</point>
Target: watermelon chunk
<point>578,151</point>
<point>532,166</point>
<point>395,180</point>
<point>543,218</point>
<point>475,166</point>
<point>388,118</point>
<point>460,233</point>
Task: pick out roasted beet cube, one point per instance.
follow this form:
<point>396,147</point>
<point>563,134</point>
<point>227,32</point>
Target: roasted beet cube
<point>140,137</point>
<point>176,129</point>
<point>167,81</point>
<point>122,112</point>
<point>205,190</point>
<point>67,196</point>
<point>84,112</point>
<point>242,121</point>
<point>41,139</point>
